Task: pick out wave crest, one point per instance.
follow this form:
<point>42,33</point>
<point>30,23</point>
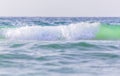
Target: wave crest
<point>67,32</point>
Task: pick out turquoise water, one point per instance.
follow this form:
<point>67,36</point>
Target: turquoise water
<point>73,58</point>
<point>108,32</point>
<point>59,46</point>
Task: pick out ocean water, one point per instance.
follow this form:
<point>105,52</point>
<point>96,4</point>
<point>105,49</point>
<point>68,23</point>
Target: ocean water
<point>59,46</point>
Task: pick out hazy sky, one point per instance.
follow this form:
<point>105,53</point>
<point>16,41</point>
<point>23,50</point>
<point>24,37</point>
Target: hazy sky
<point>60,8</point>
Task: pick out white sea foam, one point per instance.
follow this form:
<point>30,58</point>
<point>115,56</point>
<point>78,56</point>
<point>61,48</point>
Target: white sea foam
<point>64,32</point>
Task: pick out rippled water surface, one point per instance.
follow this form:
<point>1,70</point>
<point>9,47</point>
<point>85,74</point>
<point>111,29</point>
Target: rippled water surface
<point>59,46</point>
<point>59,58</point>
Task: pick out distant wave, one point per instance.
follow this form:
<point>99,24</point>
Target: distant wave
<point>63,32</point>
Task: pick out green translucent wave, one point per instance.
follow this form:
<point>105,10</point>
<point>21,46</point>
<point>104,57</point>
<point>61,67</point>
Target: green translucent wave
<point>105,32</point>
<point>108,32</point>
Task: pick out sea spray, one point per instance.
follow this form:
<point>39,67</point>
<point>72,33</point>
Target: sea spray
<point>62,32</point>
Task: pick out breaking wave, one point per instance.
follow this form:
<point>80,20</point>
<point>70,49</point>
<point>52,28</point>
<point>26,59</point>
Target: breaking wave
<point>62,32</point>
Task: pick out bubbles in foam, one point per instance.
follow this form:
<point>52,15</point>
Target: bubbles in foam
<point>67,32</point>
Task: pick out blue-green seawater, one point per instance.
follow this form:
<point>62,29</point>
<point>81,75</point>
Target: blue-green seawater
<point>47,46</point>
<point>59,58</point>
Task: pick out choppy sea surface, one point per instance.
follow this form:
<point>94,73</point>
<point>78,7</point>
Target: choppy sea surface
<point>59,46</point>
